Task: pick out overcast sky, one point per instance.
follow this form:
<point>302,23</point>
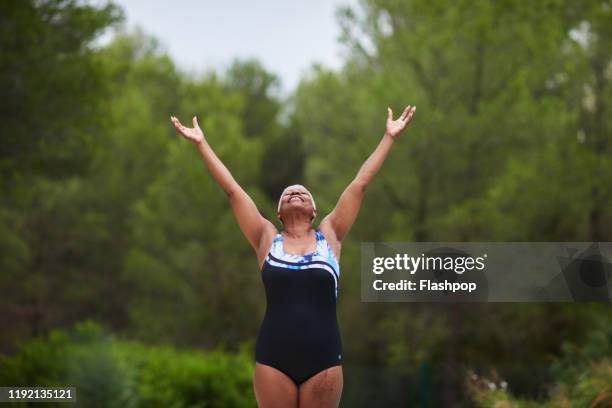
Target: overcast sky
<point>287,36</point>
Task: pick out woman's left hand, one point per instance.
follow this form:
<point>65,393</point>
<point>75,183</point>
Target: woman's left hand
<point>395,127</point>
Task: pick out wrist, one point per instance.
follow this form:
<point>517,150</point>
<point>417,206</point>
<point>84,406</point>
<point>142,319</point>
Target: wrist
<point>388,135</point>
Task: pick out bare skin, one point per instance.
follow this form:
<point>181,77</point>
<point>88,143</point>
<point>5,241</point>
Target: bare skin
<point>272,387</point>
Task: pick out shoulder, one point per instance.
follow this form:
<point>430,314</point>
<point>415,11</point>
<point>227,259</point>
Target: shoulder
<point>330,236</point>
<point>268,235</point>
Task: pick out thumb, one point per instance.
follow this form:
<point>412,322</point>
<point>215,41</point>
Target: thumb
<point>389,113</point>
<point>194,121</point>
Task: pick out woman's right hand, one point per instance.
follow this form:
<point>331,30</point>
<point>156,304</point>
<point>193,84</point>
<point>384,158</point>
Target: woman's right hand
<point>193,134</point>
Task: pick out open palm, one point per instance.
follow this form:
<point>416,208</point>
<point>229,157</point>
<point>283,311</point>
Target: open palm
<point>395,127</point>
<point>193,134</point>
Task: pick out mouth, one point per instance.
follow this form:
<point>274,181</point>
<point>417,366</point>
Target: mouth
<point>299,198</point>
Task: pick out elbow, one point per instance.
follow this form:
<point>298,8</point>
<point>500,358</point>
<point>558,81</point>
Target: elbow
<point>231,193</point>
<point>360,185</point>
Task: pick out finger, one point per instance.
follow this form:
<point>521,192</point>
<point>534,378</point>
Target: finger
<point>194,121</point>
<point>412,111</point>
<point>405,113</point>
<point>410,115</point>
<point>389,113</point>
<point>179,127</point>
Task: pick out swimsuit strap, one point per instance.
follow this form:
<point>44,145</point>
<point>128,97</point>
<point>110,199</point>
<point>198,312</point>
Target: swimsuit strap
<point>325,250</point>
<point>322,252</point>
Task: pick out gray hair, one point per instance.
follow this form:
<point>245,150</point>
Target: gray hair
<point>314,205</point>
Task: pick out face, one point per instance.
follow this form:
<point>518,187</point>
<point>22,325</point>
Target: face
<point>296,197</point>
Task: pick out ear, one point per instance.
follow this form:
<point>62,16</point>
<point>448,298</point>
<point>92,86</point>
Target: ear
<point>279,217</point>
<point>314,215</point>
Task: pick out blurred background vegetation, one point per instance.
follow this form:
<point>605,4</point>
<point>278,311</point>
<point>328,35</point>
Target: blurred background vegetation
<point>123,272</point>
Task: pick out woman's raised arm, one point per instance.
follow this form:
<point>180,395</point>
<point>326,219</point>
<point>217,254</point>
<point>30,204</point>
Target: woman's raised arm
<point>339,221</point>
<point>252,224</point>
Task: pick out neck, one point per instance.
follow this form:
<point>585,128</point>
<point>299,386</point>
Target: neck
<point>297,227</point>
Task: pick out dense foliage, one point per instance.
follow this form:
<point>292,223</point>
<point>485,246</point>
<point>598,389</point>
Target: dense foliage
<point>106,214</point>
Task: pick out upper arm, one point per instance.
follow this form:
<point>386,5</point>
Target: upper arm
<point>342,217</point>
<point>252,224</point>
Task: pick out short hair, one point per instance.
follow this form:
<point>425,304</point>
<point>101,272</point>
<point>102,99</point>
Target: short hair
<point>314,205</point>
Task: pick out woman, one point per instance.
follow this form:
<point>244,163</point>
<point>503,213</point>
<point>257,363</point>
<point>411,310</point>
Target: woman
<point>298,352</point>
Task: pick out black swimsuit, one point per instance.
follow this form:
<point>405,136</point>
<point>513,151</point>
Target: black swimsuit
<point>299,334</point>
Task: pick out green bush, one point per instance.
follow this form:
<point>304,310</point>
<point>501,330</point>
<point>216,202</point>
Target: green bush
<point>583,376</point>
<point>108,372</point>
<point>166,377</point>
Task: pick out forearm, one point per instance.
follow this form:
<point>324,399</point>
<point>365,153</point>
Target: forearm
<point>371,166</point>
<point>217,169</point>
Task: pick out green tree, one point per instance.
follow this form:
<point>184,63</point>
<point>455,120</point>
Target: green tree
<point>51,86</point>
<point>52,91</point>
<point>493,154</point>
<point>282,160</point>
